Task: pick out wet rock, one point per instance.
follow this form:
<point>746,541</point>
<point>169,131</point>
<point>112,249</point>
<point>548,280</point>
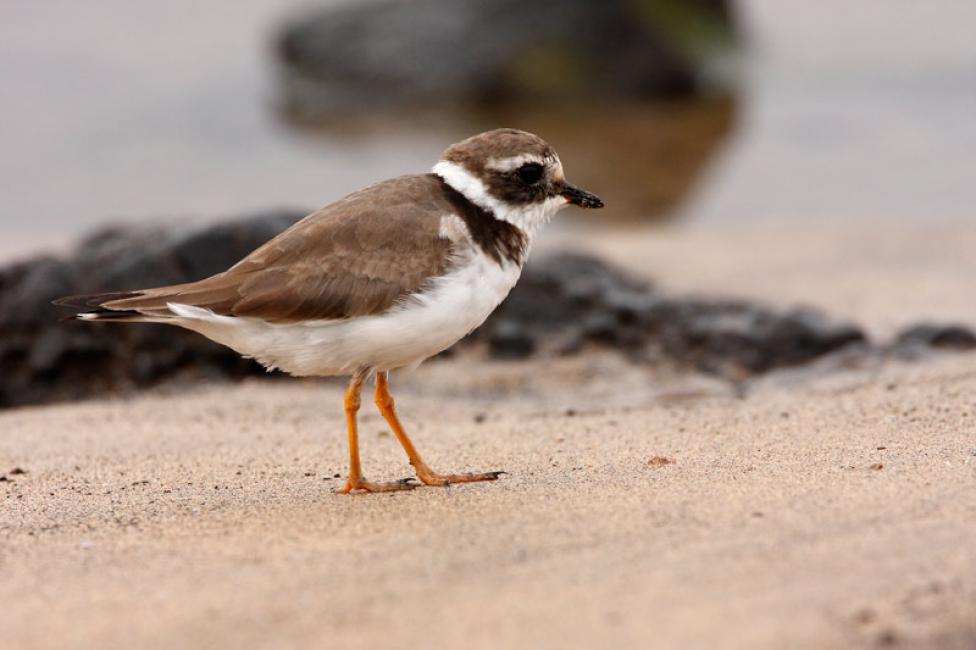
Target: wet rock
<point>509,340</point>
<point>951,337</point>
<point>918,339</point>
<point>722,335</point>
<point>26,286</point>
<point>441,52</point>
<point>564,296</point>
<point>44,359</point>
<point>573,301</point>
<point>564,304</point>
<point>584,75</point>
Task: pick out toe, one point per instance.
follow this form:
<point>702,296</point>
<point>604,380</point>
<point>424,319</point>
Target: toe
<point>402,485</point>
<point>445,480</point>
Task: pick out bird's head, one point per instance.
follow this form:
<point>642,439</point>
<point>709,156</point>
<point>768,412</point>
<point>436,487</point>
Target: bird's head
<point>516,175</point>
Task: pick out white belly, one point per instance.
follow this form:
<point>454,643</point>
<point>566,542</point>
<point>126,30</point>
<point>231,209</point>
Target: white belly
<point>424,325</point>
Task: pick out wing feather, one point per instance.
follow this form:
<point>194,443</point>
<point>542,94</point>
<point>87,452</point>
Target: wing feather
<point>356,257</point>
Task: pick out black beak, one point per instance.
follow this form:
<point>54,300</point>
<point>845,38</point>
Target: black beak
<point>579,197</point>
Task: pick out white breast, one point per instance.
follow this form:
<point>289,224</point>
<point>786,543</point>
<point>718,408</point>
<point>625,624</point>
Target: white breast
<point>423,325</point>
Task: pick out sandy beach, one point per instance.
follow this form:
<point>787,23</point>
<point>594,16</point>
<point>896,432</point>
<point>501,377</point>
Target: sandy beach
<point>837,514</point>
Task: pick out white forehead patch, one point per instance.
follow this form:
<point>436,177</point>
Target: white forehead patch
<point>514,162</point>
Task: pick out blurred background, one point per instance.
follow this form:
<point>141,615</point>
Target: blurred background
<point>713,117</point>
<point>126,111</point>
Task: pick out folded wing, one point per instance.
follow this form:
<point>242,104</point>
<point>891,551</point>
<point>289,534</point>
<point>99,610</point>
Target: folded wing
<point>359,256</point>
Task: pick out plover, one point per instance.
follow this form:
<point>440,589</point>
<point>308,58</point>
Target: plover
<point>379,280</point>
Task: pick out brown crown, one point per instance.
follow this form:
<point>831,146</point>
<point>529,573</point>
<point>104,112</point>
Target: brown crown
<point>474,152</point>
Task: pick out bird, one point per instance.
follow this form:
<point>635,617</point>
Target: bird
<point>379,280</point>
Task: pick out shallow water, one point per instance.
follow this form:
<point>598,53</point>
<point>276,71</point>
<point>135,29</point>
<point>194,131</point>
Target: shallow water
<point>132,111</point>
<point>852,110</point>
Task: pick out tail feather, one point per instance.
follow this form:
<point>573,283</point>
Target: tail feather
<point>109,316</point>
<point>92,307</point>
<point>94,300</point>
<point>152,305</point>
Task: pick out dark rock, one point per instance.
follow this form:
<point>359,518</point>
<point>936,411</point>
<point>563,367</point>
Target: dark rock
<point>44,359</point>
<point>442,52</point>
<point>26,287</point>
<point>953,337</point>
<point>509,340</point>
<point>574,300</point>
<point>563,304</point>
<point>560,295</point>
<point>719,335</point>
<point>918,339</point>
<point>585,75</point>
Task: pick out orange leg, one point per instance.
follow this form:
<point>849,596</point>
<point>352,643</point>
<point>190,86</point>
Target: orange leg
<point>426,475</point>
<point>356,481</point>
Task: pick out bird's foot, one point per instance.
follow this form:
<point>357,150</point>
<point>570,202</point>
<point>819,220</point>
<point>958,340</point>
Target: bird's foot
<point>443,480</point>
<point>402,485</point>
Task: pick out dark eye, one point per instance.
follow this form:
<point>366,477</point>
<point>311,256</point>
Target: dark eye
<point>530,173</point>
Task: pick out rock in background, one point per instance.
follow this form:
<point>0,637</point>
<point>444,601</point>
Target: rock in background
<point>568,301</point>
<point>564,304</point>
<point>638,96</point>
<point>395,53</point>
<point>43,359</point>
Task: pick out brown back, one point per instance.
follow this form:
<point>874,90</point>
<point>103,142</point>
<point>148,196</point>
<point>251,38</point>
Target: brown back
<point>356,257</point>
